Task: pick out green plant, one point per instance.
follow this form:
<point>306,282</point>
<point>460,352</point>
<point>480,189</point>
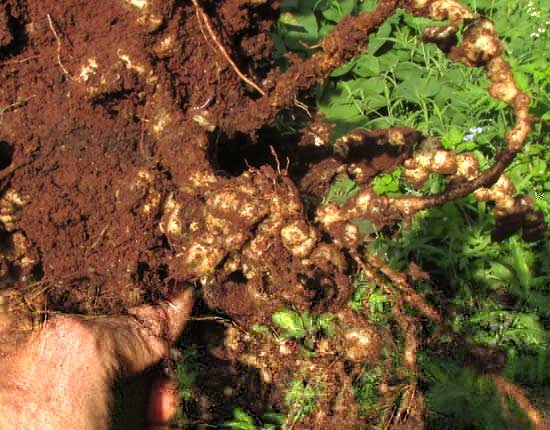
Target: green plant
<point>303,326</point>
<point>187,371</point>
<point>370,297</point>
<point>366,390</point>
<point>244,421</point>
<point>301,399</point>
<point>460,399</point>
<point>341,190</point>
<point>494,293</point>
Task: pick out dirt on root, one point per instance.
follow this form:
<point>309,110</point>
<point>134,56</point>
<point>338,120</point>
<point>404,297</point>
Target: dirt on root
<point>119,183</point>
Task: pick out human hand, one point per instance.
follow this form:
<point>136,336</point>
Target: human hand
<point>91,373</point>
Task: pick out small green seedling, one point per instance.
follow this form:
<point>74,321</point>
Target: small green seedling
<point>301,399</point>
<point>244,421</point>
<point>341,190</point>
<point>187,371</point>
<point>304,327</point>
<point>368,294</point>
<point>365,389</point>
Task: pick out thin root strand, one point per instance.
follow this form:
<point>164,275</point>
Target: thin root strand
<point>203,19</point>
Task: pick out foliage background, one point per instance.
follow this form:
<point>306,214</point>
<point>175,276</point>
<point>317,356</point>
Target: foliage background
<point>496,294</point>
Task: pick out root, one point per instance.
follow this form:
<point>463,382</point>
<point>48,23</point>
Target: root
<point>14,105</point>
<point>304,74</point>
<point>408,328</point>
<point>98,240</point>
<point>258,223</point>
<point>411,405</point>
<point>406,292</point>
<point>406,323</point>
<point>508,389</point>
<point>464,168</point>
<point>410,205</point>
<point>409,294</point>
<point>57,38</point>
<point>203,19</point>
<point>23,60</point>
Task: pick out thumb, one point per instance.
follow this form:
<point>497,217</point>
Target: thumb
<point>168,319</point>
<point>142,339</point>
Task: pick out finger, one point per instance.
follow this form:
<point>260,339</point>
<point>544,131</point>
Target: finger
<point>168,319</point>
<point>178,310</point>
<point>163,404</point>
<point>143,340</point>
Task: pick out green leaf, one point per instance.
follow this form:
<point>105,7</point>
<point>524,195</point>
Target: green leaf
<point>307,322</point>
<point>455,76</point>
<point>452,138</point>
<point>338,10</point>
<point>520,263</point>
<point>419,22</point>
<point>367,66</point>
<point>407,71</point>
<point>368,5</point>
<point>343,69</point>
<point>325,322</point>
<point>241,421</point>
<point>291,324</point>
<point>377,40</point>
<point>501,271</point>
<point>388,60</point>
<point>367,86</point>
<point>387,182</point>
<point>341,190</point>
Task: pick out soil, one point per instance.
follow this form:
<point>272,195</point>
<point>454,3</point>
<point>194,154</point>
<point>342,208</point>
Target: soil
<point>78,148</point>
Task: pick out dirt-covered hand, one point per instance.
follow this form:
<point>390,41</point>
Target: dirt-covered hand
<point>92,373</point>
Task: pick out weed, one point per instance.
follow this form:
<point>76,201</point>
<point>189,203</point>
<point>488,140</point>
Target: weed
<point>301,399</point>
<point>366,391</point>
<point>303,327</point>
<point>244,421</point>
<point>371,298</point>
<point>342,189</point>
<point>187,370</point>
<point>460,399</point>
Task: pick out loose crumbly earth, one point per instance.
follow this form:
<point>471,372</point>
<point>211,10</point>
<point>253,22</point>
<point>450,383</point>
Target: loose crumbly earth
<point>134,160</point>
